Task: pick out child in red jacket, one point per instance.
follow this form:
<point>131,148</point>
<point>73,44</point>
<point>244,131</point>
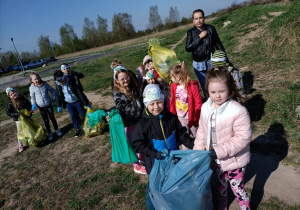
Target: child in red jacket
<point>185,98</point>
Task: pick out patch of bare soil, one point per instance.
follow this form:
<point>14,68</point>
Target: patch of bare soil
<point>9,150</point>
<point>100,101</point>
<point>275,13</point>
<point>246,40</point>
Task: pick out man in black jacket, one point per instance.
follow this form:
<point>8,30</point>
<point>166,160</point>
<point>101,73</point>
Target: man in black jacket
<point>201,41</point>
<point>69,94</point>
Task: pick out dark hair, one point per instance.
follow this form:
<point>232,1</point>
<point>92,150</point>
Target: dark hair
<point>198,10</point>
<point>57,73</point>
<point>145,83</point>
<point>215,74</point>
<point>64,64</point>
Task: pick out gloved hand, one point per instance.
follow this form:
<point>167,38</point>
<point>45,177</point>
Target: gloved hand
<point>34,106</point>
<point>213,154</point>
<point>88,106</point>
<point>158,156</point>
<point>59,109</point>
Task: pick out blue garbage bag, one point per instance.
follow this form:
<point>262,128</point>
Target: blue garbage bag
<point>181,180</point>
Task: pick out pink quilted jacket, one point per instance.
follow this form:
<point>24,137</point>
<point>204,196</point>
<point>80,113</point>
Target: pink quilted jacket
<point>233,131</point>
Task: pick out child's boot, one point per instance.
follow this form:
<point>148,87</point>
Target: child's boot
<point>58,132</point>
<point>50,136</point>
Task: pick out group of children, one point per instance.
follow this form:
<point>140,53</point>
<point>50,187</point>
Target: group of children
<point>221,125</point>
<point>153,121</point>
<point>68,94</point>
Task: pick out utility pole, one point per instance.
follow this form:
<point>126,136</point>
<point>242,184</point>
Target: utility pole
<point>17,55</point>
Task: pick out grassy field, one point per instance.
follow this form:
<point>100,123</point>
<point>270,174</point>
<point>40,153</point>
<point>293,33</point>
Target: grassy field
<point>78,173</point>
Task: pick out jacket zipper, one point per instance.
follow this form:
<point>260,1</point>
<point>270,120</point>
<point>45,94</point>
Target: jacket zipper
<point>160,116</point>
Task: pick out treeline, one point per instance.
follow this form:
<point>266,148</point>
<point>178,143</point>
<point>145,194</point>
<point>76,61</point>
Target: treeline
<point>96,33</point>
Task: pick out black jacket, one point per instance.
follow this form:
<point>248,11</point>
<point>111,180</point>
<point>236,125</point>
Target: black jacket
<point>202,48</point>
<point>148,131</point>
<point>128,109</point>
<point>13,112</point>
<point>75,87</point>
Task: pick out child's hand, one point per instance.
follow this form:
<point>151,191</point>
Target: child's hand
<point>158,156</point>
<point>107,118</point>
<point>213,154</point>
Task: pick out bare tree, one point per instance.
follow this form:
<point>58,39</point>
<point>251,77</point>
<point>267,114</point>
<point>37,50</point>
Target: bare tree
<point>154,18</point>
<point>173,19</point>
<point>89,33</point>
<point>122,27</point>
<point>174,15</point>
<point>26,56</point>
<point>102,30</point>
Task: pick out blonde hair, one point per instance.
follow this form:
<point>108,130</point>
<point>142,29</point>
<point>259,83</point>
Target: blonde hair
<point>132,85</point>
<point>181,71</point>
<point>37,76</point>
<point>221,74</point>
<point>15,101</point>
<point>116,62</point>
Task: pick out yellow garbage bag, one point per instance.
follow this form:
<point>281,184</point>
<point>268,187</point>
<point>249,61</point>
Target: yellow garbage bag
<point>30,133</point>
<point>90,131</point>
<point>163,58</point>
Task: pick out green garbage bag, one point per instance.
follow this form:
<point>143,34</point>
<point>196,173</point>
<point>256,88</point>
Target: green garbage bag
<point>93,123</point>
<point>162,58</point>
<point>122,152</point>
<point>30,133</point>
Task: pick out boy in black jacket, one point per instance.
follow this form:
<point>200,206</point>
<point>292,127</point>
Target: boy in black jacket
<point>156,130</point>
<point>69,94</point>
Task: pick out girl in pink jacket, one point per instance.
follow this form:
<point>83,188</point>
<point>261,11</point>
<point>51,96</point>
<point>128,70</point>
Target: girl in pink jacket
<point>225,130</point>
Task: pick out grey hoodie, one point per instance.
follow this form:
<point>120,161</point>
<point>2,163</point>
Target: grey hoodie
<point>40,95</point>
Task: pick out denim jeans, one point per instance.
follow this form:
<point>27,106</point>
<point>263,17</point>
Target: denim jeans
<point>200,69</point>
<point>149,203</point>
<point>76,109</point>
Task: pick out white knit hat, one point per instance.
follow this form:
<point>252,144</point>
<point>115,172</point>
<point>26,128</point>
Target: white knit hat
<point>151,93</point>
<point>64,67</point>
<point>9,89</point>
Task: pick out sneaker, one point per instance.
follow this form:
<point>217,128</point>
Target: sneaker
<point>138,168</point>
<point>58,132</point>
<point>50,137</point>
<point>78,132</point>
<point>21,148</point>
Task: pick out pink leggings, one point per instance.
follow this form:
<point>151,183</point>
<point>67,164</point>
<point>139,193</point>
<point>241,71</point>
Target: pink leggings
<point>128,132</point>
<point>236,181</point>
